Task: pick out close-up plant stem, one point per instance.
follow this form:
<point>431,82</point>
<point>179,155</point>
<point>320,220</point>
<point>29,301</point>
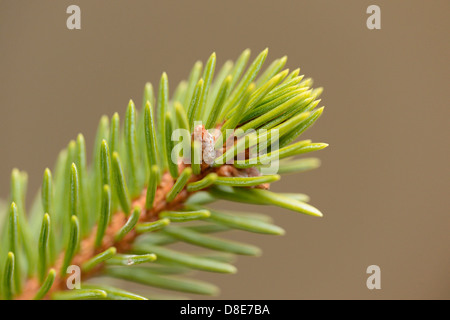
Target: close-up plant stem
<point>145,190</point>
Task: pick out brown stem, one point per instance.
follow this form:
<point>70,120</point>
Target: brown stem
<point>118,220</point>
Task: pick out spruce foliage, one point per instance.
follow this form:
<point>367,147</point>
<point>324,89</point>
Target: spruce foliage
<point>118,216</point>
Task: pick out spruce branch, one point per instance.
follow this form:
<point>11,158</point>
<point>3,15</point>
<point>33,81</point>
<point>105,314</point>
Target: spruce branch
<point>144,191</point>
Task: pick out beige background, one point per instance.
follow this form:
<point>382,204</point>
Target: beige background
<point>384,183</point>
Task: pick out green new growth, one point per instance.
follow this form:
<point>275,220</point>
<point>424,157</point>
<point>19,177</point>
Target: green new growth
<point>115,216</point>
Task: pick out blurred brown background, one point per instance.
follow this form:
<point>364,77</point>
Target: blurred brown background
<point>384,182</point>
